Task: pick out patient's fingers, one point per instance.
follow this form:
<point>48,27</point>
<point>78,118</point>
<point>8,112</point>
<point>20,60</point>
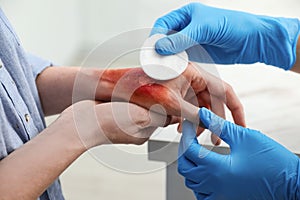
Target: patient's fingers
<point>235,106</point>
<point>158,120</point>
<point>179,127</point>
<point>198,132</point>
<point>225,93</point>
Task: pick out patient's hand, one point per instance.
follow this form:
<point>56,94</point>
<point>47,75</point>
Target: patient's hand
<point>178,97</point>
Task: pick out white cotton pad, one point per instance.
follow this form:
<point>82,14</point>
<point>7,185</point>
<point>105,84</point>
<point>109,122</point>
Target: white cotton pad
<point>161,67</point>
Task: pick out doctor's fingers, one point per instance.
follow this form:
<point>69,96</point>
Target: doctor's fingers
<point>216,106</point>
<point>201,196</point>
<point>193,151</point>
<point>204,99</point>
<point>175,20</point>
<point>201,189</point>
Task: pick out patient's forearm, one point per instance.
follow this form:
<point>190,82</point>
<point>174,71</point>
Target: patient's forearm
<point>59,87</point>
<point>133,85</point>
<point>55,85</point>
<point>29,170</point>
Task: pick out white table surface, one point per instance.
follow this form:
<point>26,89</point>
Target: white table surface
<point>271,99</point>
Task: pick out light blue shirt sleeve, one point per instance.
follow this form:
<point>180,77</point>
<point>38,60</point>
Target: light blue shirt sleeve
<point>37,63</point>
<point>21,114</point>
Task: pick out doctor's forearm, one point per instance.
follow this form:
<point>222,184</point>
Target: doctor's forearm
<point>296,67</point>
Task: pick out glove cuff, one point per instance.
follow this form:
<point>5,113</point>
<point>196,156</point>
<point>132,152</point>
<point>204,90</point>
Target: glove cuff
<point>290,29</point>
<point>298,182</point>
<point>293,29</point>
<point>279,41</point>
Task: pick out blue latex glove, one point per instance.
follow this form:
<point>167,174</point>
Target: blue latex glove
<point>257,167</point>
<point>229,37</point>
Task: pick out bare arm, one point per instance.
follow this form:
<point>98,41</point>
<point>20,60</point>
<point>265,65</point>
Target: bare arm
<point>36,164</point>
<point>59,87</point>
<point>296,67</point>
<point>29,170</point>
<point>56,86</point>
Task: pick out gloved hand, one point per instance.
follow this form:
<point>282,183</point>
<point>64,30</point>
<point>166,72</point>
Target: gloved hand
<point>229,37</point>
<point>257,167</point>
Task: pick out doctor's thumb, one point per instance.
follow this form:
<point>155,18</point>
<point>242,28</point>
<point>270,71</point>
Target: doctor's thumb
<point>175,43</point>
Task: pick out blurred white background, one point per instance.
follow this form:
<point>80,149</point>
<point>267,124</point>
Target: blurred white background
<point>66,30</point>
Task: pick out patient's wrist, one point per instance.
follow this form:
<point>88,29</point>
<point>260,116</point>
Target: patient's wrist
<point>108,79</point>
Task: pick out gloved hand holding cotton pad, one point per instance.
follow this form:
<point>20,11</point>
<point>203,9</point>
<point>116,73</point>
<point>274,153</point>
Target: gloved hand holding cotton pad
<point>161,67</point>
